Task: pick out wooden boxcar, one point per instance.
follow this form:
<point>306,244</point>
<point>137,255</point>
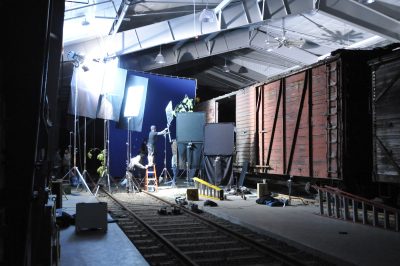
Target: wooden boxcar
<point>386,121</point>
<point>313,123</point>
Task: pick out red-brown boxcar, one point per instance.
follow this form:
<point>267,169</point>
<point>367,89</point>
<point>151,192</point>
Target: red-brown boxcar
<point>313,123</point>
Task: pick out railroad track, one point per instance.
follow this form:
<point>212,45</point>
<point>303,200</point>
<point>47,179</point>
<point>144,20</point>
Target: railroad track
<point>169,234</point>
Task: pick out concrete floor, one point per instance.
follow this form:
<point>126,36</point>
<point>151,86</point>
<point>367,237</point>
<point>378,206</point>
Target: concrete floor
<point>93,247</point>
<point>299,224</point>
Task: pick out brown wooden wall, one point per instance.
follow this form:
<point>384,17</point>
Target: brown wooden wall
<point>246,126</point>
<point>298,125</point>
<point>209,108</point>
<point>316,122</point>
<point>284,124</point>
<point>289,125</point>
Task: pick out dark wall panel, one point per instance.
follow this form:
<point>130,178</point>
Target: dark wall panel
<point>190,127</point>
<point>218,138</point>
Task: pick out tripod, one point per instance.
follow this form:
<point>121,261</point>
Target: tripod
<point>85,173</point>
<point>69,156</point>
<point>189,147</point>
<point>131,186</point>
<point>105,176</point>
<point>165,170</point>
<point>75,168</point>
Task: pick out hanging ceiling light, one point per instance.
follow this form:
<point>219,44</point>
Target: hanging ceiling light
<point>207,15</point>
<point>243,70</point>
<point>159,58</point>
<point>85,22</point>
<point>267,42</point>
<point>225,68</point>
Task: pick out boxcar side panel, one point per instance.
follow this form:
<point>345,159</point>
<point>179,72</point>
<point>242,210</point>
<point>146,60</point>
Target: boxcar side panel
<point>319,123</point>
<point>245,126</point>
<point>296,139</point>
<point>386,121</point>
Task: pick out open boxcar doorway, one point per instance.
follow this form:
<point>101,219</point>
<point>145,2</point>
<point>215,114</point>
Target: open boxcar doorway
<point>226,110</point>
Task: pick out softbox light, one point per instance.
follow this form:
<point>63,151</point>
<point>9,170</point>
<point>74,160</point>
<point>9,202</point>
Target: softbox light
<point>112,95</point>
<point>169,112</point>
<point>134,103</point>
<point>86,85</point>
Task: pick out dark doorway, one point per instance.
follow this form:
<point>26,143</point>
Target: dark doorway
<point>227,109</point>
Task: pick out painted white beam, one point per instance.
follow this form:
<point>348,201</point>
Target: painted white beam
<point>184,27</point>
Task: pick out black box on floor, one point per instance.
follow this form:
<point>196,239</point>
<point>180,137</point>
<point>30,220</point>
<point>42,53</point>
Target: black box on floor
<point>91,216</point>
<point>192,194</point>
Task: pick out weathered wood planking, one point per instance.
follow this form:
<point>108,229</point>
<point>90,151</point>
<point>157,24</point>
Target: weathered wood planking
<point>386,118</point>
<point>315,122</point>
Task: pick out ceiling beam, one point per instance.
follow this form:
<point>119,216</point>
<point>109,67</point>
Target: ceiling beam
<point>223,43</point>
<point>185,27</point>
<point>362,16</point>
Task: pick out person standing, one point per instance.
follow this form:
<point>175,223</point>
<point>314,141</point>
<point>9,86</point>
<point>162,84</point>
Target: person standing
<point>66,161</point>
<point>57,166</point>
<point>151,143</point>
<point>174,160</point>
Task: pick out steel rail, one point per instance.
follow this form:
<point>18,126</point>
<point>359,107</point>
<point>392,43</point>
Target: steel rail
<point>264,249</point>
<point>170,245</point>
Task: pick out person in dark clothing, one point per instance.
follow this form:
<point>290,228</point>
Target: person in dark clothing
<point>143,148</point>
<point>151,143</point>
<point>174,159</point>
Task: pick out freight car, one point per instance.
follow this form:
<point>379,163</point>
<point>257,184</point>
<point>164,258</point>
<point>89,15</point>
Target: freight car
<point>312,125</point>
<point>386,124</point>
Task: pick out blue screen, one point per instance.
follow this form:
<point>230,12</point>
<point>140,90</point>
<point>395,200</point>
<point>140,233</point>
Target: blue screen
<point>160,90</point>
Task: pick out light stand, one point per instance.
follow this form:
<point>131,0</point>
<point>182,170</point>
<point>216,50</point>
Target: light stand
<point>130,185</point>
<point>188,161</point>
<point>105,174</point>
<point>165,170</point>
<point>217,169</point>
<point>71,134</point>
<point>85,173</point>
<point>69,152</point>
<point>75,168</point>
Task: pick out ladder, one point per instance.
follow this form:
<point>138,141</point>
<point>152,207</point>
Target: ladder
<point>339,204</point>
<point>332,121</point>
<point>150,181</point>
<point>208,190</point>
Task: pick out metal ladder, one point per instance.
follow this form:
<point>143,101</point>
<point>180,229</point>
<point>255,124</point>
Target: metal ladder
<point>151,180</point>
<point>339,204</point>
<point>332,120</point>
<point>208,190</point>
